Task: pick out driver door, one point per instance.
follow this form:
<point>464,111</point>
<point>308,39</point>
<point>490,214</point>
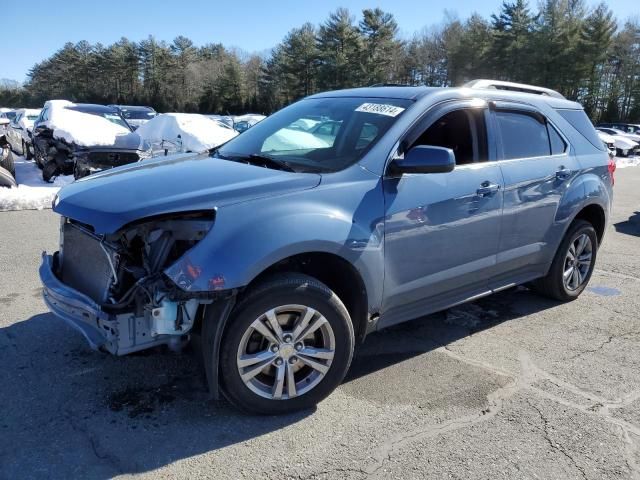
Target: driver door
<point>442,230</point>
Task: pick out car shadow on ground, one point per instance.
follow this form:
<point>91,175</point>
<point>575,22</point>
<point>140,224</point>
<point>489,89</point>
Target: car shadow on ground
<point>631,226</point>
<point>119,415</point>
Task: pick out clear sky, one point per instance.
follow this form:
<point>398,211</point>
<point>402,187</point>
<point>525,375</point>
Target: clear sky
<point>32,30</point>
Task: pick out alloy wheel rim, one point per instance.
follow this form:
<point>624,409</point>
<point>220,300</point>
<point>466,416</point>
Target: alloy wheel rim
<point>286,352</point>
<point>577,262</point>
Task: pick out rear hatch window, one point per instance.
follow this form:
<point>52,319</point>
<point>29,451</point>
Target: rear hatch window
<point>579,120</point>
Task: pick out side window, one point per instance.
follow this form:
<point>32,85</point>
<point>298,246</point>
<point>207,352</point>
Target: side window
<point>523,135</point>
<point>463,131</point>
<point>558,145</point>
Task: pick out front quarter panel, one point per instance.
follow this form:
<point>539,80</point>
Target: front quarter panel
<point>341,216</point>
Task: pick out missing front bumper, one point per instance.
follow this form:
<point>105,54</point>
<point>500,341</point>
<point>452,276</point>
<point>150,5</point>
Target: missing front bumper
<point>117,334</point>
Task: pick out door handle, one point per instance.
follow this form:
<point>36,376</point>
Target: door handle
<point>487,189</point>
<point>563,173</point>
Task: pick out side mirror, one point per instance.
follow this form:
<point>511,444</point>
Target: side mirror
<point>424,159</point>
<point>4,122</point>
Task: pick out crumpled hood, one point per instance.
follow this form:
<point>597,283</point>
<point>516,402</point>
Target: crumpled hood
<point>113,198</point>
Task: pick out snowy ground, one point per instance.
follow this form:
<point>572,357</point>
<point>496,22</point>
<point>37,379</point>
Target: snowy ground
<point>32,193</point>
<point>627,162</point>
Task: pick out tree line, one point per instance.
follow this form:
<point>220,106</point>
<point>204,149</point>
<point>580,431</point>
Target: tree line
<point>585,53</point>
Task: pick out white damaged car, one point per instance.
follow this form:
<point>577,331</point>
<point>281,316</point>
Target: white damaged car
<point>184,132</point>
<point>623,143</point>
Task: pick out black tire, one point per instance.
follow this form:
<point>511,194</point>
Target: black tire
<point>38,159</point>
<point>6,179</point>
<point>552,285</point>
<point>49,171</point>
<point>7,162</point>
<point>27,151</point>
<point>79,172</point>
<point>285,289</point>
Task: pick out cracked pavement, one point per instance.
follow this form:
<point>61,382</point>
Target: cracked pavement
<point>511,386</point>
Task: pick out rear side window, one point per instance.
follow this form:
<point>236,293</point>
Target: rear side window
<point>523,135</point>
<point>557,143</point>
<point>579,120</point>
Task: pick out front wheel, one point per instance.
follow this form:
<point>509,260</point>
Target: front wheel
<point>288,345</point>
<point>572,265</point>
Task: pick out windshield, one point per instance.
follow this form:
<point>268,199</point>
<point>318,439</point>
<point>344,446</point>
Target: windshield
<point>138,114</point>
<point>322,134</point>
<point>113,117</point>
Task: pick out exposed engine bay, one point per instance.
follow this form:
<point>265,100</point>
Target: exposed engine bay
<point>123,274</point>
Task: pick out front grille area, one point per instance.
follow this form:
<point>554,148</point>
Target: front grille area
<point>85,266</point>
<point>113,159</point>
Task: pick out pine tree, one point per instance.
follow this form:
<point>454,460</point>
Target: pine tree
<point>511,47</point>
<point>340,46</point>
<point>379,31</point>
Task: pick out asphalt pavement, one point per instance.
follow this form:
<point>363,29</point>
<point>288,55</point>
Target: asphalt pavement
<point>512,386</point>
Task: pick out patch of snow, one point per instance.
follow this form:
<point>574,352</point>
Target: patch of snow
<point>81,128</point>
<point>622,162</point>
<point>32,192</point>
<point>198,133</point>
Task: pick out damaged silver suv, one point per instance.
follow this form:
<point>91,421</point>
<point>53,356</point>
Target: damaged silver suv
<point>342,214</point>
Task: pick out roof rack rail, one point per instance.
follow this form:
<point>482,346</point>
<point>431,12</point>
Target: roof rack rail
<point>391,85</point>
<point>513,87</point>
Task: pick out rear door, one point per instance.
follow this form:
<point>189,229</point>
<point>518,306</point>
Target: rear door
<point>538,167</point>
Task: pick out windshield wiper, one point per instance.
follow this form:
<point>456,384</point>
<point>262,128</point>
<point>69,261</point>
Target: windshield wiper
<point>260,160</point>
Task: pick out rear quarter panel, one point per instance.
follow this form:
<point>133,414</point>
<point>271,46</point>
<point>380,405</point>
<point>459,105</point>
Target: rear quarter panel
<point>592,185</point>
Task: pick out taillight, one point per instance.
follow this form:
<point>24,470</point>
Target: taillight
<point>612,168</point>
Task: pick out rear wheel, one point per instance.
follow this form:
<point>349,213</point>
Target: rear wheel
<point>7,162</point>
<point>38,158</point>
<point>288,345</point>
<point>27,149</point>
<point>572,265</point>
<point>49,170</point>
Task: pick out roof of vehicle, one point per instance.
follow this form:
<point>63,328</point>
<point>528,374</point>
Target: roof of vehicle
<point>415,93</point>
<point>133,107</point>
<point>409,93</point>
<point>91,107</point>
<point>29,110</point>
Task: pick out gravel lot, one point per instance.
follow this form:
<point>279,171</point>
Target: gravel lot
<point>513,386</point>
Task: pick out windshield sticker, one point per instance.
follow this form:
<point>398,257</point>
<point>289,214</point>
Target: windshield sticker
<point>380,109</point>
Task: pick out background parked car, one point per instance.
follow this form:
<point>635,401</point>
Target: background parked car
<point>7,113</point>
<point>136,116</point>
<point>625,143</point>
<point>625,127</point>
<point>184,132</point>
<point>83,138</point>
<point>20,130</point>
<point>224,119</point>
<point>7,167</point>
<point>609,142</point>
<point>244,122</point>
